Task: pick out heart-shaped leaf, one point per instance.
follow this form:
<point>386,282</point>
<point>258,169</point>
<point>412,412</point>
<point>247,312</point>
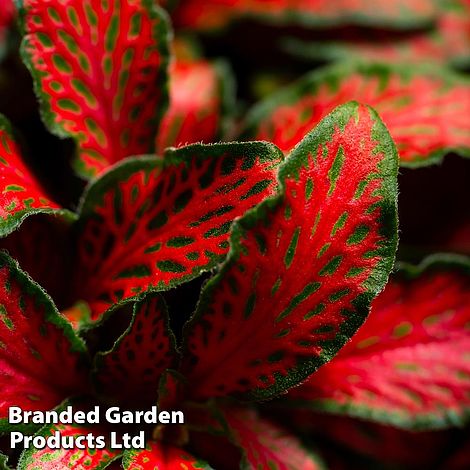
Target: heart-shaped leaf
<point>100,73</point>
<point>266,445</point>
<point>154,223</point>
<point>425,110</point>
<point>199,95</point>
<point>41,359</point>
<point>409,364</point>
<point>134,366</point>
<point>303,267</point>
<point>20,194</point>
<point>218,13</point>
<point>74,458</point>
<point>160,455</point>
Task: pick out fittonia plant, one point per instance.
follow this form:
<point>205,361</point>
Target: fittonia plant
<point>289,246</point>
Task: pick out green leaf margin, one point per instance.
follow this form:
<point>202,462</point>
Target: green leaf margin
<point>122,170</point>
<point>333,75</point>
<point>4,462</point>
<point>162,35</point>
<point>376,281</point>
<point>26,457</point>
<point>308,20</point>
<point>129,454</point>
<point>13,221</point>
<point>98,361</point>
<point>434,262</point>
<point>51,315</point>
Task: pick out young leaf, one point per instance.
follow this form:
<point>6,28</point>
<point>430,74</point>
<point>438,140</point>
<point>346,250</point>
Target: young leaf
<point>154,223</point>
<point>265,445</point>
<point>21,195</point>
<point>217,13</point>
<point>425,110</point>
<point>100,73</point>
<point>303,268</point>
<point>74,458</point>
<point>41,359</point>
<point>409,364</point>
<point>136,362</point>
<point>160,455</point>
<point>197,102</point>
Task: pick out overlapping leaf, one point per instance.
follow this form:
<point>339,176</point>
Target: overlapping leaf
<point>40,357</point>
<point>160,455</point>
<point>266,445</point>
<point>20,194</point>
<point>134,366</point>
<point>448,42</point>
<point>100,73</point>
<point>154,223</point>
<point>303,267</point>
<point>409,364</point>
<point>196,104</point>
<point>77,457</point>
<point>426,111</point>
<point>218,13</point>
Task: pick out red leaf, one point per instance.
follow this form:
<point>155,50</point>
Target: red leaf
<point>100,70</point>
<point>73,458</point>
<point>40,357</point>
<point>448,42</point>
<point>303,268</point>
<point>265,445</point>
<point>409,364</point>
<point>196,102</point>
<point>218,13</point>
<point>155,223</point>
<point>20,194</point>
<point>159,455</point>
<point>425,110</point>
<point>134,366</point>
